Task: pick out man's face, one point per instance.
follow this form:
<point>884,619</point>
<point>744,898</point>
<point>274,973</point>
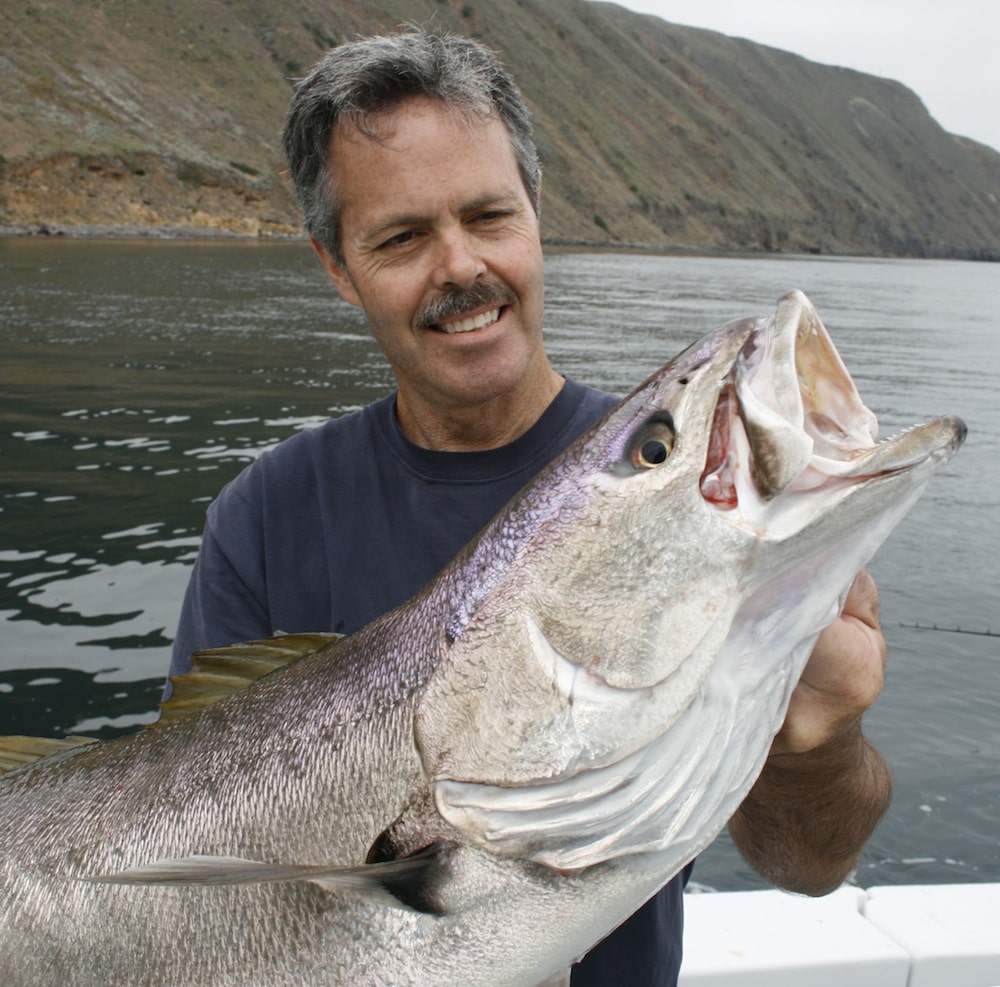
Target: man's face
<point>441,249</point>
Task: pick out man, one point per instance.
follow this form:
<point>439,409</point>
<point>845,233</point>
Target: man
<point>416,170</point>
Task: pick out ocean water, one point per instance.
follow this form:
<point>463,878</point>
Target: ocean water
<point>136,378</point>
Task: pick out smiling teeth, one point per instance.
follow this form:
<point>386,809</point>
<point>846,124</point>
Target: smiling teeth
<point>476,322</point>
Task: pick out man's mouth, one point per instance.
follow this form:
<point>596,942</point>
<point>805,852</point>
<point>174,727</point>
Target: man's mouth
<point>466,309</point>
<point>473,322</point>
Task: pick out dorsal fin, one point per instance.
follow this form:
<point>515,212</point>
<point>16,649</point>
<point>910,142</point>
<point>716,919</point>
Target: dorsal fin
<point>220,672</point>
<point>15,752</point>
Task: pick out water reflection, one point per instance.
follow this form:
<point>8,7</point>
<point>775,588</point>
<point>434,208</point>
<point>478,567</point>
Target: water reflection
<point>137,381</point>
<point>72,701</point>
<point>139,378</point>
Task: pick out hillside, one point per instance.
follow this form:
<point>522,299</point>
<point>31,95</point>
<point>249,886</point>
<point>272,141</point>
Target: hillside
<point>166,114</point>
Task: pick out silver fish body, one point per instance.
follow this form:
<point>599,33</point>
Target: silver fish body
<point>478,786</point>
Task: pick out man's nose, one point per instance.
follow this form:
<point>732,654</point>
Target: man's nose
<point>459,260</point>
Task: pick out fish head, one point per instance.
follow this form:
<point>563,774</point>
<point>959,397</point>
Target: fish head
<point>693,543</point>
<point>748,457</point>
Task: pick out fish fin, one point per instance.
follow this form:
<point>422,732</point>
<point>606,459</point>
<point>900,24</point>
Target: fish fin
<point>390,882</point>
<point>220,672</point>
<point>416,890</point>
<point>15,752</point>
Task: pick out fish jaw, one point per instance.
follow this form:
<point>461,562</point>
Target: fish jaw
<point>796,399</point>
<point>791,438</point>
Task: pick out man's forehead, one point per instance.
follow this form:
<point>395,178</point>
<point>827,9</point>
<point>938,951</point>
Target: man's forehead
<point>421,146</point>
<point>383,125</point>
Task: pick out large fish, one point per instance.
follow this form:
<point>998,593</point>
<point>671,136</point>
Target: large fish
<point>475,788</point>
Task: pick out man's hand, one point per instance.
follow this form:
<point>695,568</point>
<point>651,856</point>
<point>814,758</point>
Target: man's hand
<point>824,787</point>
<point>843,677</point>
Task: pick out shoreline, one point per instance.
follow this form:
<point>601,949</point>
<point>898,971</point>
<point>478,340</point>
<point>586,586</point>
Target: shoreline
<point>116,232</point>
<point>69,231</point>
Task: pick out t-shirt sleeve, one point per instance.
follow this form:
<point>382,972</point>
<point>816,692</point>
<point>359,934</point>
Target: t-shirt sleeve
<point>224,603</point>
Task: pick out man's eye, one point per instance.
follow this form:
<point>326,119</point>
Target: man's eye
<point>397,241</point>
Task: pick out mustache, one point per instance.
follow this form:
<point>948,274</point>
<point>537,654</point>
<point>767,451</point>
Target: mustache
<point>459,300</point>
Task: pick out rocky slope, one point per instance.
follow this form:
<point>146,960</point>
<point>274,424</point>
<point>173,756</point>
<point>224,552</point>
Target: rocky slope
<point>165,114</point>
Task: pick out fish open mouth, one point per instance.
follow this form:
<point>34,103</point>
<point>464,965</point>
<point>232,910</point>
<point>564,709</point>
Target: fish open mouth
<point>789,417</point>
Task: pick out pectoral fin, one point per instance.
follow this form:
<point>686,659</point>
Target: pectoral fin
<point>394,882</point>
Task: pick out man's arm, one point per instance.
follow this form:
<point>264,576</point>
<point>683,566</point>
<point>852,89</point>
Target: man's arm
<point>824,787</point>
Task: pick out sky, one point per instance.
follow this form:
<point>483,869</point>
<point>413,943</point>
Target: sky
<point>948,53</point>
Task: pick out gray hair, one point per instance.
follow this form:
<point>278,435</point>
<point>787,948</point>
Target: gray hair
<point>357,80</point>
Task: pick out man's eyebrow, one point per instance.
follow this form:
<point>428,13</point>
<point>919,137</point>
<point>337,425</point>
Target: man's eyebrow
<point>387,226</point>
<point>505,200</point>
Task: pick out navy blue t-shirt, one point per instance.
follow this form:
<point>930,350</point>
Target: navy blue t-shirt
<point>339,524</point>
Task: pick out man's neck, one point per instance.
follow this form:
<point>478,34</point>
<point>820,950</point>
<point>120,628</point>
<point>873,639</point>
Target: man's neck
<point>474,428</point>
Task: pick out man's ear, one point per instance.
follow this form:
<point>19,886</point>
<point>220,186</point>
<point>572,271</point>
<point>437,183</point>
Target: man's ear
<point>337,274</point>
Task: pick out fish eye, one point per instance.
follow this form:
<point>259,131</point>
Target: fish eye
<point>652,444</point>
